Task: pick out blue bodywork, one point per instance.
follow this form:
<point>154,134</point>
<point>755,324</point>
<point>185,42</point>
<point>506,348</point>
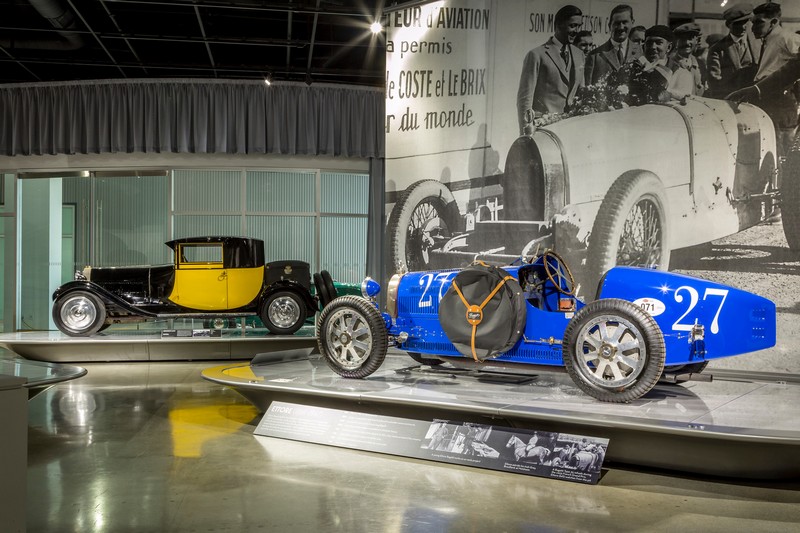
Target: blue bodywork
<point>699,319</point>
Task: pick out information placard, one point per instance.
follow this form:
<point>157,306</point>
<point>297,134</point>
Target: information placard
<point>537,453</point>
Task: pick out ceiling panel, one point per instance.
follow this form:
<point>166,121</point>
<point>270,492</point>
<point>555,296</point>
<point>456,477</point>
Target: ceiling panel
<point>303,40</point>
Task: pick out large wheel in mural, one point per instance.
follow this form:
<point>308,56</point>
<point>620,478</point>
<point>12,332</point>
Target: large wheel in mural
<point>790,195</point>
<point>631,226</point>
<point>424,218</point>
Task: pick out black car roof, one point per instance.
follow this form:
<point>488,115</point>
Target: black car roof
<point>230,241</point>
<point>238,252</point>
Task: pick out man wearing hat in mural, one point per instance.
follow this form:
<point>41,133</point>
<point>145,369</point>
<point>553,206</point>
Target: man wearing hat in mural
<point>733,60</point>
<point>687,78</point>
<point>658,41</point>
<point>552,72</point>
<point>615,52</point>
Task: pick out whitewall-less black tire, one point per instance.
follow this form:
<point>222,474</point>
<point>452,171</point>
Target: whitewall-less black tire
<point>79,313</point>
<point>614,351</point>
<point>352,337</point>
<point>283,313</point>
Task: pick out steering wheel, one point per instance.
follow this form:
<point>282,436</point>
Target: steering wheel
<point>557,272</point>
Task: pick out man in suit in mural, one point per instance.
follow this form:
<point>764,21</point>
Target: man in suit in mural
<point>733,60</point>
<point>779,45</point>
<point>552,72</point>
<point>615,52</point>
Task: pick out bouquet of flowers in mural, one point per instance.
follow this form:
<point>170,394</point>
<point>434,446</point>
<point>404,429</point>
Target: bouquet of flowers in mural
<point>636,83</point>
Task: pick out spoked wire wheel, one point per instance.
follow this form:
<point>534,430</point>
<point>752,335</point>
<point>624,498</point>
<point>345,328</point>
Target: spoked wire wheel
<point>642,236</point>
<point>630,228</point>
<point>423,220</point>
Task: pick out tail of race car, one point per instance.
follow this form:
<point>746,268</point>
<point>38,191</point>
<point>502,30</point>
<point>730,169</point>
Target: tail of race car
<point>699,319</point>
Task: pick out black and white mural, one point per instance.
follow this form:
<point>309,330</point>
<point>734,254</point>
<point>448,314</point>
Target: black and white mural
<point>594,129</point>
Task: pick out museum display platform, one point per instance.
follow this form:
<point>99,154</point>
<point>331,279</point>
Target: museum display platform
<point>149,345</point>
<point>39,376</point>
<point>740,425</point>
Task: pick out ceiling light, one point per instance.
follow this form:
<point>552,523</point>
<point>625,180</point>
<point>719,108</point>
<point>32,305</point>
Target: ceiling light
<point>376,27</point>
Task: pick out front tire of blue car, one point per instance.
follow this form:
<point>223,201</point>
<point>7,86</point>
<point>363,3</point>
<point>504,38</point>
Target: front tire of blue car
<point>352,337</point>
<point>614,351</point>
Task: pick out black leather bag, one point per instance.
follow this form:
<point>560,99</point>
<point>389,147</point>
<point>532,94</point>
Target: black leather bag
<point>483,311</point>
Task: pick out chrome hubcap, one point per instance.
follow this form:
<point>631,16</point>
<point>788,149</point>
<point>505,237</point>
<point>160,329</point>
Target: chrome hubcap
<point>78,313</point>
<point>284,312</point>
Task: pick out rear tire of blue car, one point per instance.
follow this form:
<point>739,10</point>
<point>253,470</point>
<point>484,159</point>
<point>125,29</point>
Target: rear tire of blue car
<point>352,337</point>
<point>283,313</point>
<point>79,314</point>
<point>614,351</point>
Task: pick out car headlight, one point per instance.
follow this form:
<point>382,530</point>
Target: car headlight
<point>391,295</point>
<point>370,288</point>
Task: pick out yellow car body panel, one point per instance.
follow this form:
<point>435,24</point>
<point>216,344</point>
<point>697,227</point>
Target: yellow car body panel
<point>201,288</point>
<point>244,284</point>
<point>201,281</point>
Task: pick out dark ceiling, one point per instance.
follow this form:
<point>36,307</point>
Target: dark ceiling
<point>302,40</point>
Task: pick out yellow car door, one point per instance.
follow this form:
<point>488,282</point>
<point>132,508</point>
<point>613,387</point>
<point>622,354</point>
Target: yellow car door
<point>201,281</point>
<point>244,284</point>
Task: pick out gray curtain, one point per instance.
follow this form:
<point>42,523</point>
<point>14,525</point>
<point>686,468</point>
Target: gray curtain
<point>191,116</point>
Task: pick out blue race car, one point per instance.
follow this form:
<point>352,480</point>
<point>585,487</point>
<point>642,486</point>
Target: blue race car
<point>642,325</point>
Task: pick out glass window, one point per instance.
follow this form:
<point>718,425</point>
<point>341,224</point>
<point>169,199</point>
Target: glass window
<point>204,254</point>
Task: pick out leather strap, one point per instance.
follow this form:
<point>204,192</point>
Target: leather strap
<point>479,309</point>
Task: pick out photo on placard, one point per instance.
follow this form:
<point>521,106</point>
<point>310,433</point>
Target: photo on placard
<point>536,447</point>
<point>575,452</point>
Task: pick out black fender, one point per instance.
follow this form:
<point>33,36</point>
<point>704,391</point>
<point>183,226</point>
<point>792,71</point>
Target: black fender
<point>293,286</point>
<point>110,299</point>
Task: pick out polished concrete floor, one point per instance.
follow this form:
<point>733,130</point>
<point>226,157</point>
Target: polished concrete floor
<point>154,447</point>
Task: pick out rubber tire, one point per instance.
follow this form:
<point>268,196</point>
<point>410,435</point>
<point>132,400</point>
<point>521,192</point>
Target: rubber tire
<point>624,194</point>
<point>425,191</point>
<point>379,342</point>
<point>326,291</point>
<point>654,347</point>
<point>274,328</point>
<point>790,196</point>
<point>419,358</point>
<point>94,327</point>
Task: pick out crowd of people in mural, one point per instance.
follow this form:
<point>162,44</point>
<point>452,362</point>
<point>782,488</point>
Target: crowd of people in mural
<point>658,63</point>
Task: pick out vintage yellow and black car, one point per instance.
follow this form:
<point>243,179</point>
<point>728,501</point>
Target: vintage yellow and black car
<point>210,278</point>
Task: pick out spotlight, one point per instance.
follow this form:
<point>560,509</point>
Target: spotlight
<point>268,79</point>
<point>376,27</point>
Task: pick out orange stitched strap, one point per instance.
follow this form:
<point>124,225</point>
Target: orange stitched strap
<point>486,301</point>
<point>491,294</point>
<point>472,342</point>
<point>461,295</point>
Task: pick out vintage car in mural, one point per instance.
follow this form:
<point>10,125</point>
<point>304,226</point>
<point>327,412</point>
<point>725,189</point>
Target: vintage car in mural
<point>645,324</point>
<point>621,187</point>
<point>211,278</point>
